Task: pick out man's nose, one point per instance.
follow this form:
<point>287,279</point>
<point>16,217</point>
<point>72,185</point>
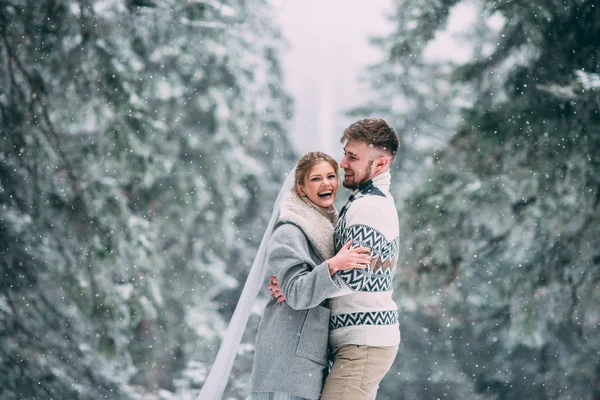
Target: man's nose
<point>344,163</point>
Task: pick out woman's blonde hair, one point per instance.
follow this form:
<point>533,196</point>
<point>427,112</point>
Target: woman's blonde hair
<point>309,160</point>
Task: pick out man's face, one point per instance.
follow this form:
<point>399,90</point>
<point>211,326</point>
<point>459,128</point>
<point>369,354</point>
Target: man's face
<point>357,163</point>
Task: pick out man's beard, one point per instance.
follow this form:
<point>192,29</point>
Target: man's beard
<point>367,178</point>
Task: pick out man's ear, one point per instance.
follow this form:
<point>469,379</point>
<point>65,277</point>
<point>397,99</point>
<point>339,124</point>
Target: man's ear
<point>382,163</point>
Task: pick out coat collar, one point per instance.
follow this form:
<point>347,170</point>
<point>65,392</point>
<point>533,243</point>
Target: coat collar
<point>315,225</point>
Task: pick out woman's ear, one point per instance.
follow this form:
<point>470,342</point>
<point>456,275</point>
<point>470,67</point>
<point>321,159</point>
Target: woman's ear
<point>299,191</point>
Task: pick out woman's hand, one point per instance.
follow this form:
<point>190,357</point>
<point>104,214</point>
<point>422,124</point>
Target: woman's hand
<point>347,258</point>
<point>275,290</point>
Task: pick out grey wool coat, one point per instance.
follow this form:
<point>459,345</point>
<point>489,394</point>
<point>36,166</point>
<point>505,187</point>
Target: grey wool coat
<point>291,344</point>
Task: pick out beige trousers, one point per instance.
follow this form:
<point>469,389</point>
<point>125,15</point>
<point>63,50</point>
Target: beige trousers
<point>357,371</point>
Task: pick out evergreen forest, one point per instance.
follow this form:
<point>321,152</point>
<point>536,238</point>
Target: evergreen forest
<point>143,142</point>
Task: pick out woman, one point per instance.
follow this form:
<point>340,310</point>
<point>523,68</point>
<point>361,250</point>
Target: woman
<point>290,360</point>
<point>297,247</point>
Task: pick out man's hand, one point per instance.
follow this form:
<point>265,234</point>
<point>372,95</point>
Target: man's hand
<point>275,290</point>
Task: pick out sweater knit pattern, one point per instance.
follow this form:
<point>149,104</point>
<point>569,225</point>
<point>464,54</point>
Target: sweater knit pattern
<point>368,315</point>
<point>378,277</point>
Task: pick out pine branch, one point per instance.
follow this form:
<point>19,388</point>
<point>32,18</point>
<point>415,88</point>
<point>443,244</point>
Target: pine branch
<point>36,98</point>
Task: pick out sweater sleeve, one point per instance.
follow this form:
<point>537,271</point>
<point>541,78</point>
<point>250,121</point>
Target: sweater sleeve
<point>304,284</point>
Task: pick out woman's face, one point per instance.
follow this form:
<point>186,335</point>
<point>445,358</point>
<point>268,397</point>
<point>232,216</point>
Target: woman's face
<point>320,184</point>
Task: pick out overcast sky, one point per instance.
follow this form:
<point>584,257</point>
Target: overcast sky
<point>328,49</point>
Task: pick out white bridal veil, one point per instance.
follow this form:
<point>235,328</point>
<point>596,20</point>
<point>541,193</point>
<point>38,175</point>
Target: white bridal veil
<point>215,383</point>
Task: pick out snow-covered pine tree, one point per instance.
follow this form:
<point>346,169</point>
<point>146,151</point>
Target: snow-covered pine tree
<point>500,260</point>
<point>141,144</point>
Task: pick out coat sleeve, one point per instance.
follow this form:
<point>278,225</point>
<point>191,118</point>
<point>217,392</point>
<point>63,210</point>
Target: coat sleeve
<point>304,283</point>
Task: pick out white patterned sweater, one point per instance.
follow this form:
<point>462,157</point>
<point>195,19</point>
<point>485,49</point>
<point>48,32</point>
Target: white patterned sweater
<point>368,315</point>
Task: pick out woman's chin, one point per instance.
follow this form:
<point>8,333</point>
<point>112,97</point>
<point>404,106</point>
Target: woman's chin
<point>324,203</point>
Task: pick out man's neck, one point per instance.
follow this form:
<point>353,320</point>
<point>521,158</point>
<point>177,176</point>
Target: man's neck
<point>373,177</point>
<point>383,171</point>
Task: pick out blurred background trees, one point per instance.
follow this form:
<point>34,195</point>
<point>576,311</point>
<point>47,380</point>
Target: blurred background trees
<point>142,144</point>
<point>498,290</point>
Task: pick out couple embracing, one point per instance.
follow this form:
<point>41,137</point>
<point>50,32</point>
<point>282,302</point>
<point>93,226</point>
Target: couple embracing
<point>331,279</point>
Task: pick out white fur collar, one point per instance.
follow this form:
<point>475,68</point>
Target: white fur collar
<point>315,225</point>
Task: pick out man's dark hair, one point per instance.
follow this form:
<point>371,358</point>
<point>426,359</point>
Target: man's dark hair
<point>374,131</point>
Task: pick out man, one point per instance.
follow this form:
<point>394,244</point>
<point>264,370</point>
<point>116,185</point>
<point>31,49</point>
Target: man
<point>364,332</point>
